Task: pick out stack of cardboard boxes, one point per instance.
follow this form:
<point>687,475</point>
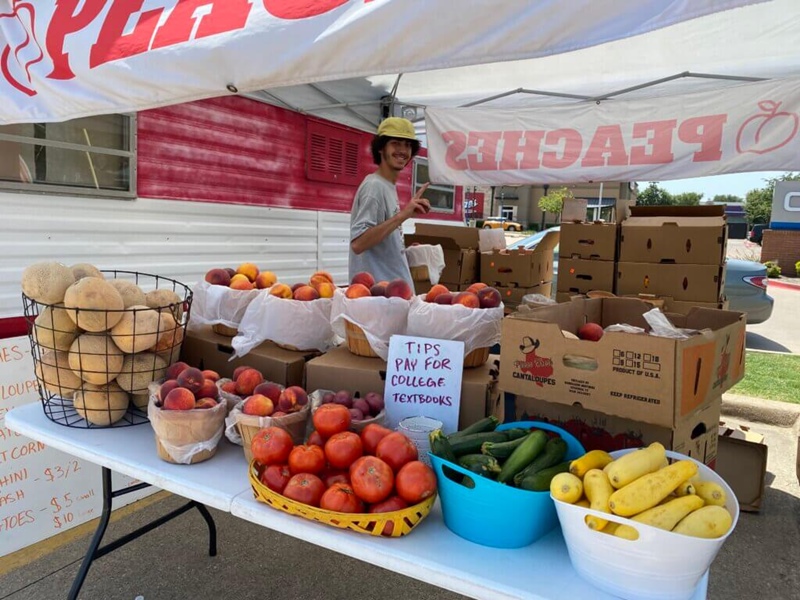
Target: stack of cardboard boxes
<point>586,261</point>
<point>627,389</point>
<point>460,246</point>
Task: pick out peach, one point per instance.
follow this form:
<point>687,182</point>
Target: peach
<point>292,399</point>
<point>324,288</point>
<point>364,278</point>
<point>590,331</point>
<point>207,390</point>
<point>297,285</point>
<point>205,403</point>
<point>229,387</point>
<point>166,388</point>
<point>446,298</point>
<point>175,369</point>
<point>230,271</point>
<point>247,381</point>
<point>179,399</point>
<point>218,277</point>
<point>320,276</point>
<point>467,299</point>
<point>212,375</point>
<point>489,297</point>
<point>238,371</point>
<point>281,290</point>
<point>240,282</point>
<point>475,287</point>
<point>249,270</point>
<point>399,288</point>
<point>266,279</point>
<point>269,389</point>
<point>357,290</point>
<point>258,405</point>
<point>192,379</point>
<point>305,292</point>
<point>379,289</point>
<point>435,291</point>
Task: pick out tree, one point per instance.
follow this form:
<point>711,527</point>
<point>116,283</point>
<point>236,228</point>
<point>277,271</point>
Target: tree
<point>553,202</point>
<point>687,199</point>
<point>726,199</point>
<point>653,195</point>
<point>758,202</point>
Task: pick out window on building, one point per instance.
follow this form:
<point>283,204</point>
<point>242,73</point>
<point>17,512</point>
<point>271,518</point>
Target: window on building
<point>91,156</point>
<point>441,197</point>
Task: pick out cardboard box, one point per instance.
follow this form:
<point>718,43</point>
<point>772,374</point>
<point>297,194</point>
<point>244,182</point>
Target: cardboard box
<point>512,296</point>
<point>460,264</point>
<point>590,241</point>
<point>207,350</point>
<point>574,209</point>
<point>519,267</point>
<point>578,276</point>
<point>651,379</point>
<point>742,463</point>
<point>693,283</point>
<point>695,435</point>
<point>338,369</point>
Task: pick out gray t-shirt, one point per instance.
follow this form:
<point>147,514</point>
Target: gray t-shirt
<point>376,201</point>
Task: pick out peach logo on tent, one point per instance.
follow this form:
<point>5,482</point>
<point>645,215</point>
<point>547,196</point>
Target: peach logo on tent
<point>537,369</point>
<point>21,50</point>
<point>768,130</point>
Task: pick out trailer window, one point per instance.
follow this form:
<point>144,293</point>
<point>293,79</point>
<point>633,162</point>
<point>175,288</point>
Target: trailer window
<point>87,156</point>
<point>441,197</point>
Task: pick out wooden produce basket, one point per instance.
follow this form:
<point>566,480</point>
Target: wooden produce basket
<point>476,358</point>
<point>357,341</point>
<point>221,329</point>
<point>249,425</point>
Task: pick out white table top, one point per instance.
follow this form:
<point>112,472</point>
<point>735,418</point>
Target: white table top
<point>431,553</point>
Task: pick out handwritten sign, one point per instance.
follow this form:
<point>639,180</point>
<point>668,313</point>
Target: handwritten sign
<point>423,378</point>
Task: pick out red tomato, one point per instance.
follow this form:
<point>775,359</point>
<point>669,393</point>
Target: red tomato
<point>306,459</point>
<point>316,439</point>
<point>372,479</point>
<point>330,419</point>
<point>330,476</point>
<point>391,504</point>
<point>342,449</point>
<point>415,481</point>
<point>396,449</point>
<point>271,446</point>
<point>275,477</point>
<point>341,498</point>
<point>305,488</point>
<point>371,435</point>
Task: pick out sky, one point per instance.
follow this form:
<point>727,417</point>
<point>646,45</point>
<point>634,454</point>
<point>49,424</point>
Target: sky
<point>737,184</point>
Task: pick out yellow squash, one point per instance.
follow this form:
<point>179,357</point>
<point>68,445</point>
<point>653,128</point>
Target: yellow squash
<point>566,487</point>
<point>631,466</point>
<point>711,492</point>
<point>598,490</point>
<point>594,459</point>
<point>647,491</point>
<point>706,522</point>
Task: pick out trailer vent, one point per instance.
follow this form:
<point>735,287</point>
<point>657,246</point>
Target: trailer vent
<point>332,154</point>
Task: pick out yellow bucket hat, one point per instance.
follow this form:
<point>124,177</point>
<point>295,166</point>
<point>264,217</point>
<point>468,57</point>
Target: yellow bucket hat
<point>397,127</point>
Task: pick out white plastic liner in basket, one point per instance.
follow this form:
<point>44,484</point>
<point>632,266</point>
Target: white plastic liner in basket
<point>219,305</point>
<point>305,325</point>
<point>379,317</point>
<point>476,327</point>
<point>427,255</point>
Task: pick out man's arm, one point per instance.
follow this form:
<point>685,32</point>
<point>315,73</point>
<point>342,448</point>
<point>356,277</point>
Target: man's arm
<point>377,233</point>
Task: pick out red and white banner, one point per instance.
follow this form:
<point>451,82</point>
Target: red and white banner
<point>61,59</point>
<point>750,127</point>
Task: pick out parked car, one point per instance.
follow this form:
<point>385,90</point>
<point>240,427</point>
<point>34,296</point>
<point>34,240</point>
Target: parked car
<point>745,281</point>
<point>501,223</point>
<point>756,234</point>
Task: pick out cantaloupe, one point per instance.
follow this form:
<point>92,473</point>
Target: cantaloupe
<point>170,334</point>
<point>137,330</point>
<point>101,405</point>
<point>47,282</point>
<point>54,329</point>
<point>132,294</point>
<point>165,300</point>
<point>95,358</point>
<point>141,401</point>
<point>82,270</point>
<point>54,374</point>
<point>94,304</point>
<point>139,370</point>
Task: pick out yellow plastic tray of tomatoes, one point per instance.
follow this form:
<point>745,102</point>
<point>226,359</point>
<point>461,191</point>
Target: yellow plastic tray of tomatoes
<point>402,521</point>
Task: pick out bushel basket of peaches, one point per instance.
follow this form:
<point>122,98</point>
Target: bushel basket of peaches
<point>370,482</point>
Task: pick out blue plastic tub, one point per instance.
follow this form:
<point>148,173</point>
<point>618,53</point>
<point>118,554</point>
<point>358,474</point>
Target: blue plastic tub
<point>495,514</point>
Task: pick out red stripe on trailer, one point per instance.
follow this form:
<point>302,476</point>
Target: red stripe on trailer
<point>11,327</point>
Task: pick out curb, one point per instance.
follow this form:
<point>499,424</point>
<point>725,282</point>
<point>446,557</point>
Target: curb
<point>783,285</point>
<point>769,412</point>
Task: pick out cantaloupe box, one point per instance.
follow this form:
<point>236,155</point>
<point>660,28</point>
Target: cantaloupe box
<point>519,267</point>
<point>339,369</point>
<point>589,241</point>
<point>459,246</point>
<point>652,379</point>
<point>688,283</point>
<point>685,235</point>
<point>512,296</point>
<point>742,463</point>
<point>207,350</point>
<point>579,276</point>
<point>694,435</point>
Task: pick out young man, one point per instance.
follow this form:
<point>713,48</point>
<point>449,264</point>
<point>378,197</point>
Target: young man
<point>376,236</point>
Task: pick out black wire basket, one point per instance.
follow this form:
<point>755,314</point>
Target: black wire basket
<point>93,365</point>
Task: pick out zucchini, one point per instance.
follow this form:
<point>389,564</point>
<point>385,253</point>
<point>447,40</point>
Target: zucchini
<point>528,450</point>
<point>471,444</point>
<point>540,481</point>
<point>501,449</point>
<point>554,452</point>
<point>441,447</point>
<point>516,432</point>
<point>486,424</point>
<point>480,464</point>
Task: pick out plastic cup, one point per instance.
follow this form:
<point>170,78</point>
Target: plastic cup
<point>418,430</point>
